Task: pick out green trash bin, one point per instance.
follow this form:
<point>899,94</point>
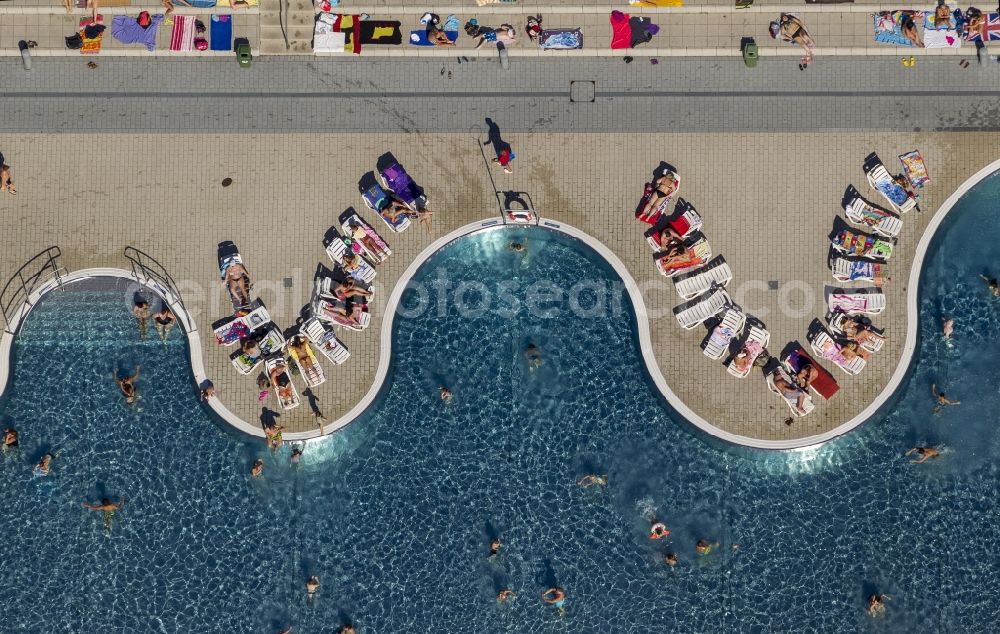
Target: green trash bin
<point>243,54</point>
<point>750,53</point>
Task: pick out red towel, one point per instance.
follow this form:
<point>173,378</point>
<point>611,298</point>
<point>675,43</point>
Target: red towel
<point>621,32</point>
<point>824,385</point>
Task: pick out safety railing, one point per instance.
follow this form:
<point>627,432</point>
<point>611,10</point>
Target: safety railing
<point>147,271</point>
<point>33,274</point>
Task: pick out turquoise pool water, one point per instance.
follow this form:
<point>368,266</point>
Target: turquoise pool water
<point>395,513</point>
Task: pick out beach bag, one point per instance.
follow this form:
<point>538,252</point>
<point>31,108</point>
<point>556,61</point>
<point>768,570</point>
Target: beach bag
<point>74,42</point>
<point>201,44</point>
<point>773,29</point>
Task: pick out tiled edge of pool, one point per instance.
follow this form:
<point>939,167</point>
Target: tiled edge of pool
<point>643,328</point>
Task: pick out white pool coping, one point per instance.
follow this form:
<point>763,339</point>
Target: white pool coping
<point>639,306</point>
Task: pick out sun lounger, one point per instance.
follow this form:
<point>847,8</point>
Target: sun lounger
<point>857,303</point>
<point>225,263</point>
<point>824,384</point>
<point>372,244</point>
<point>733,320</point>
<point>879,178</point>
<point>281,381</point>
<point>269,340</point>
<point>824,345</point>
<point>685,224</point>
<point>231,329</point>
<point>754,344</point>
<point>716,273</point>
<point>324,309</point>
<point>845,270</point>
<point>878,220</point>
<point>703,309</point>
<point>861,245</point>
<point>395,179</point>
<point>656,213</point>
<point>791,400</point>
<point>364,272</point>
<point>378,201</point>
<point>325,341</point>
<point>697,255</point>
<point>309,368</point>
<point>838,322</point>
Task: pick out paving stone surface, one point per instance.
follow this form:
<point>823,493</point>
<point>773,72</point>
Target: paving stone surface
<point>144,172</point>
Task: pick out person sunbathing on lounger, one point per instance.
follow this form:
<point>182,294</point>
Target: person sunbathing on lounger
<point>806,375</point>
<point>658,191</point>
<point>127,384</point>
<point>398,208</point>
<point>348,289</point>
<point>437,37</point>
<point>790,392</point>
<point>351,262</point>
<point>359,234</point>
<point>351,314</point>
<point>743,359</point>
<point>667,236</point>
<point>281,382</point>
<point>300,345</point>
<point>859,332</point>
<point>682,259</point>
<point>238,282</point>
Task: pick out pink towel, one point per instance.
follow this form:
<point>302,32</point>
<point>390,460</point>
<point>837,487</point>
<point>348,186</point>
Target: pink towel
<point>182,37</point>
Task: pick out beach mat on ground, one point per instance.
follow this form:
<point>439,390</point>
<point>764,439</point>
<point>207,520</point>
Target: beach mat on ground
<point>221,30</point>
<point>560,39</point>
<point>887,29</point>
<point>91,45</point>
<point>182,37</point>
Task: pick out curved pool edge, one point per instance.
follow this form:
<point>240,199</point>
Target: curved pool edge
<point>194,339</point>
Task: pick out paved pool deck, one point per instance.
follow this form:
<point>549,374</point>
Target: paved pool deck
<point>770,199</point>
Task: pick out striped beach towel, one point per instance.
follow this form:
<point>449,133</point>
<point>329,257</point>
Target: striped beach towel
<point>182,37</point>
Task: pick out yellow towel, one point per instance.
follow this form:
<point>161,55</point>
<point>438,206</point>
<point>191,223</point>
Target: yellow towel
<point>383,31</point>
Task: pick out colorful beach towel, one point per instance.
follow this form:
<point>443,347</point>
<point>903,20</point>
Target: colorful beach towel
<point>915,168</point>
<point>888,29</point>
<point>989,30</point>
<point>221,31</point>
<point>126,30</point>
<point>182,37</point>
<point>92,45</point>
<point>419,37</point>
<point>560,39</point>
<point>940,38</point>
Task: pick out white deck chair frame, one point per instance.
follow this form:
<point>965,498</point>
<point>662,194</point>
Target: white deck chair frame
<point>843,303</point>
<point>761,336</point>
<point>325,341</point>
<point>837,325</point>
<point>878,174</point>
<point>365,273</point>
<point>842,269</point>
<point>706,308</point>
<point>888,227</point>
<point>734,319</point>
<point>695,284</point>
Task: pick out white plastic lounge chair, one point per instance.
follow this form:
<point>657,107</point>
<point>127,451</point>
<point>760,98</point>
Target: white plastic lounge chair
<point>862,245</point>
<point>325,341</point>
<point>323,309</point>
<point>845,270</point>
<point>837,323</point>
<point>824,346</point>
<point>309,368</point>
<point>879,178</point>
<point>380,251</point>
<point>288,398</point>
<point>234,259</point>
<point>722,335</point>
<point>685,224</point>
<point>716,272</point>
<point>257,317</point>
<point>701,253</point>
<point>864,215</point>
<point>376,192</point>
<point>325,286</point>
<point>244,363</point>
<point>707,307</point>
<point>754,345</point>
<point>792,402</point>
<point>857,303</point>
<point>364,273</point>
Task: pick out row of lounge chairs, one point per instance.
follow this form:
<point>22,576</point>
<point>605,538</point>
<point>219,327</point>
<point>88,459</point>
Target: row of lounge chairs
<point>850,339</point>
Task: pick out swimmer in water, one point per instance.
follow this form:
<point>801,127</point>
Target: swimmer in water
<point>108,508</point>
<point>296,454</point>
<point>588,481</point>
<point>517,247</point>
<point>312,585</point>
<point>947,327</point>
<point>533,355</point>
<point>10,438</point>
<point>495,545</point>
<point>658,530</point>
<point>876,604</point>
<point>942,400</point>
<point>993,285</point>
<point>703,547</point>
<point>446,394</point>
<point>258,468</point>
<point>43,466</point>
<point>141,311</point>
<point>127,385</point>
<point>347,629</point>
<point>506,595</point>
<point>670,559</point>
<point>557,597</point>
<point>924,454</point>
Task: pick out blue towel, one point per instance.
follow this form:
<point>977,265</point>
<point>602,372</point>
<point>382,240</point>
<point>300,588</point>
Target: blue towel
<point>419,37</point>
<point>221,29</point>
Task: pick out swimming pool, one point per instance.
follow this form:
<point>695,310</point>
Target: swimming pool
<point>395,512</point>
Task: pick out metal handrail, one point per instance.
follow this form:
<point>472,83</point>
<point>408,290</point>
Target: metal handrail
<point>146,269</point>
<point>22,286</point>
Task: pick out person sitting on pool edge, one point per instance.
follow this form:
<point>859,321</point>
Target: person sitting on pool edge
<point>127,385</point>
